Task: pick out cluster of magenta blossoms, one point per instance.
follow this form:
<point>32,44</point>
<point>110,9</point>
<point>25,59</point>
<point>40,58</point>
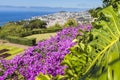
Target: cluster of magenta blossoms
<point>44,58</point>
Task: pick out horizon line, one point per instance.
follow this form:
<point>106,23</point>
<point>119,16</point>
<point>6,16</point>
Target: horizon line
<point>9,6</point>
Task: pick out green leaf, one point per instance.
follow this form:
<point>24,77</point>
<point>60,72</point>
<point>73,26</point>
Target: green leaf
<point>43,77</point>
<point>106,45</point>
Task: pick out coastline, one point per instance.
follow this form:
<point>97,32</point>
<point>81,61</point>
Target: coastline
<point>8,16</point>
<point>50,18</point>
<point>63,16</point>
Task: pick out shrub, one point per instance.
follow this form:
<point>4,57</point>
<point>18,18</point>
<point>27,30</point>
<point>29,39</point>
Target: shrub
<point>70,22</point>
<point>24,34</point>
<point>41,31</point>
<point>20,40</point>
<point>36,24</point>
<point>11,29</point>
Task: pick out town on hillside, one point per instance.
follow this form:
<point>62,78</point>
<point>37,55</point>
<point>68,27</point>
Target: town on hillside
<point>62,17</point>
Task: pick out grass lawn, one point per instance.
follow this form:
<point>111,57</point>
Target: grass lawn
<point>40,37</point>
<point>12,50</point>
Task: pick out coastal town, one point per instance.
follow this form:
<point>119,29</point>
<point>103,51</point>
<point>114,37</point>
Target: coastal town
<point>62,17</point>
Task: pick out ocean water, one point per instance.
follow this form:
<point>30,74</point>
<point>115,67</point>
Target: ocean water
<point>6,16</point>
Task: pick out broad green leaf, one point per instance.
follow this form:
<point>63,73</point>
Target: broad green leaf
<point>43,77</point>
<point>106,45</point>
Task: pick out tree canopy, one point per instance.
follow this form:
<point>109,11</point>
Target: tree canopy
<point>37,23</point>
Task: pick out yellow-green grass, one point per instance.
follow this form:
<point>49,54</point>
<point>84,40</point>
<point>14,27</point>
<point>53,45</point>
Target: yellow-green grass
<point>40,37</point>
<point>12,50</point>
<point>2,46</point>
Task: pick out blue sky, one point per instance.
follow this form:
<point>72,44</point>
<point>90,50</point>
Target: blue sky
<point>54,3</point>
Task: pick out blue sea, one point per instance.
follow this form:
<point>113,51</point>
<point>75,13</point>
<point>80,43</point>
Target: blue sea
<point>6,16</point>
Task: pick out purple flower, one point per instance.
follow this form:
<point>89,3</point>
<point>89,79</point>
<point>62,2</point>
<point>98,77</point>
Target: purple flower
<point>46,57</point>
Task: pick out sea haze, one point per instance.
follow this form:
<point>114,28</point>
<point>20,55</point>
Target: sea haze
<point>16,13</point>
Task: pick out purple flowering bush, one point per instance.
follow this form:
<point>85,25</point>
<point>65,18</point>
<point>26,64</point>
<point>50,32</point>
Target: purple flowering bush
<point>46,57</point>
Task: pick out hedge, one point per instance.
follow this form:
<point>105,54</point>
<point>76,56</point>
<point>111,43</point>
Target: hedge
<point>41,31</point>
<point>26,34</point>
<point>20,40</point>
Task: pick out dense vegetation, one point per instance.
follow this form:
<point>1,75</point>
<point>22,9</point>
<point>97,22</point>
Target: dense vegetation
<point>16,31</point>
<point>96,56</point>
<point>83,52</point>
<point>21,28</point>
<point>36,24</point>
<point>19,40</point>
<point>46,57</point>
<point>25,28</point>
<point>12,29</point>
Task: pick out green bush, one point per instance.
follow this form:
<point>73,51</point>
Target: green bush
<point>41,31</point>
<point>24,34</point>
<point>36,24</point>
<point>70,22</point>
<point>23,41</point>
<point>36,31</point>
<point>11,29</point>
<point>2,36</point>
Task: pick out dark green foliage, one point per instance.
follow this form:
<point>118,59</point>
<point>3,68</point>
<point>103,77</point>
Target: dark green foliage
<point>12,29</point>
<point>109,2</point>
<point>26,28</point>
<point>19,40</point>
<point>42,31</point>
<point>94,12</point>
<point>22,22</point>
<point>27,33</point>
<point>36,24</point>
